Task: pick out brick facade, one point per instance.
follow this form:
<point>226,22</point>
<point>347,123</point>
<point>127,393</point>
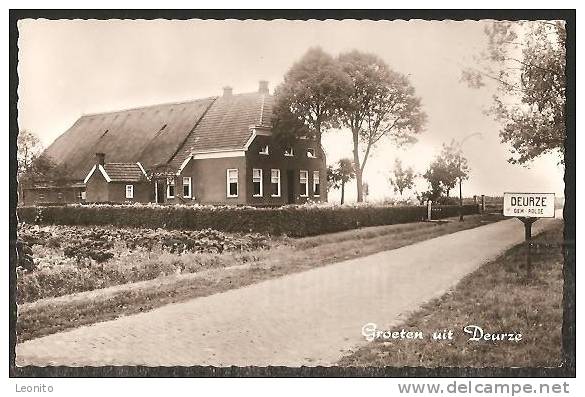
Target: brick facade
<point>209,184</point>
<point>99,190</point>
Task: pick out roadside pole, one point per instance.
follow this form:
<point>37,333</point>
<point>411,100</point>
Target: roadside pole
<point>528,242</point>
<point>429,209</point>
<point>460,199</point>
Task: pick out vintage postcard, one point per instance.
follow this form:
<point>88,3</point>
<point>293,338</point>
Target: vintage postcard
<point>335,194</point>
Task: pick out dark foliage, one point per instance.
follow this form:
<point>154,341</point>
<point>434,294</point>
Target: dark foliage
<point>292,221</point>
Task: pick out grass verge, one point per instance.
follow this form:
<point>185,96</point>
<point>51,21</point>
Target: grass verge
<point>498,297</point>
<point>47,316</point>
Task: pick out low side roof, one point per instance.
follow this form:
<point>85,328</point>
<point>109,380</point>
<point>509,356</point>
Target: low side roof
<point>124,172</point>
<point>151,135</point>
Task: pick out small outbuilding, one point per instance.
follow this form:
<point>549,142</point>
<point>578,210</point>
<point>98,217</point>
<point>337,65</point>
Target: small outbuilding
<point>117,182</point>
<point>51,192</point>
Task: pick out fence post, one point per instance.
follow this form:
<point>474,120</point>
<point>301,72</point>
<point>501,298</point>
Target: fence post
<point>482,203</point>
<point>429,204</point>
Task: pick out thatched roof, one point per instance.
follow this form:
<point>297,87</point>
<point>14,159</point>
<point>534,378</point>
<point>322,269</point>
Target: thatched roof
<point>161,135</point>
<point>150,135</point>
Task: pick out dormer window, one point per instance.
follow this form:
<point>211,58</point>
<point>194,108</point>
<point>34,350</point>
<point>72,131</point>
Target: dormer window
<point>311,153</point>
<point>289,152</point>
<point>264,150</point>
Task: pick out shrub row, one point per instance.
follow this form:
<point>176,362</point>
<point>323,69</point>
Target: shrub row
<point>295,221</point>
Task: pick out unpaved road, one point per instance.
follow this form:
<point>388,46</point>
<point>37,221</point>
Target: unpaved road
<point>310,318</point>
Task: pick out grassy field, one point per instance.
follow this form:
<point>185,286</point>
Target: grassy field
<point>497,297</point>
<point>286,256</point>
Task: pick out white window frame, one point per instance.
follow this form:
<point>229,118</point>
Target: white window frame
<point>265,150</point>
<point>272,181</point>
<point>171,182</point>
<point>306,182</point>
<point>129,191</point>
<point>289,152</point>
<point>316,173</point>
<point>188,178</point>
<point>227,174</point>
<point>255,179</point>
<point>311,156</point>
<point>83,194</point>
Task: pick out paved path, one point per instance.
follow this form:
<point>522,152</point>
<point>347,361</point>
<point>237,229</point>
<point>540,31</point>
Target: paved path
<point>308,318</point>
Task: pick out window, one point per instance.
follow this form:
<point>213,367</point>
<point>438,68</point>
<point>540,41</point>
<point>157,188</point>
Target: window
<point>304,180</point>
<point>187,186</point>
<point>83,196</point>
<point>316,184</point>
<point>264,150</point>
<point>129,191</point>
<point>311,153</point>
<point>41,196</point>
<point>257,181</point>
<point>275,182</point>
<point>289,152</point>
<point>170,187</point>
<point>60,196</point>
<point>232,182</point>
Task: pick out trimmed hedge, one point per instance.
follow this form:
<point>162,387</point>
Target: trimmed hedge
<point>295,221</point>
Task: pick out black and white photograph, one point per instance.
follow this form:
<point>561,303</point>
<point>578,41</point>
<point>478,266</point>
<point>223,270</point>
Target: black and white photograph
<point>332,194</point>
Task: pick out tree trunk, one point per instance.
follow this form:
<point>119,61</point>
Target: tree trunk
<point>358,168</point>
<point>318,131</point>
<point>360,187</point>
<point>342,192</point>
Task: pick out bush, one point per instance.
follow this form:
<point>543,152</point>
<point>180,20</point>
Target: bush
<point>24,256</point>
<point>90,249</point>
<point>294,221</point>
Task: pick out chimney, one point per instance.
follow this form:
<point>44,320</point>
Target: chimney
<point>263,87</point>
<point>227,91</point>
<point>100,158</point>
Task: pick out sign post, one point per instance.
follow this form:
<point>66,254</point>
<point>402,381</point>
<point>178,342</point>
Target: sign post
<point>528,207</point>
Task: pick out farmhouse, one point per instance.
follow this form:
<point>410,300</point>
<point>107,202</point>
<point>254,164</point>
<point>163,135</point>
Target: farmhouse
<point>217,150</point>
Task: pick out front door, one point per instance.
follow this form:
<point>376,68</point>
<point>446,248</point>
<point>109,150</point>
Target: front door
<point>290,186</point>
<point>160,192</point>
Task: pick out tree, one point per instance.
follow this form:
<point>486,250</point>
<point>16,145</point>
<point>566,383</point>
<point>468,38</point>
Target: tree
<point>29,149</point>
<point>340,175</point>
<point>446,169</point>
<point>308,99</point>
<point>526,61</point>
<point>403,179</point>
<point>379,103</point>
<point>33,164</point>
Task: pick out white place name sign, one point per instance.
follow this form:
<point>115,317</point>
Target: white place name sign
<point>535,205</point>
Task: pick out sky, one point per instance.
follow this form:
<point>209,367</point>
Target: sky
<point>70,68</point>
